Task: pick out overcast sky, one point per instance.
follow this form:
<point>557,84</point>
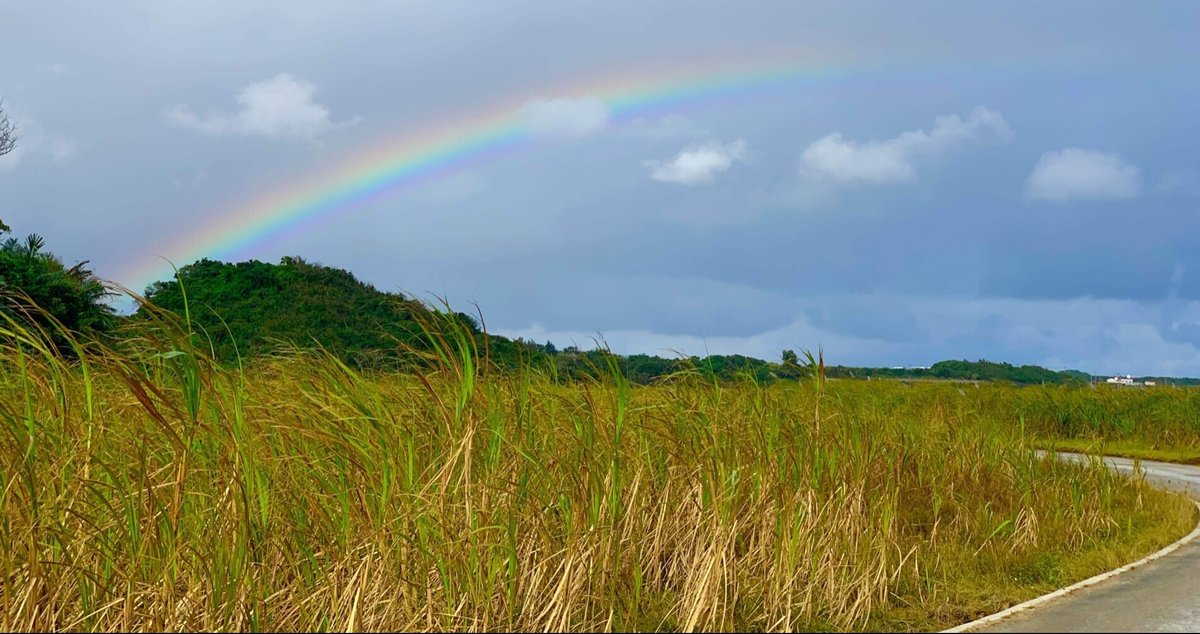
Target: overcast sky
<point>1017,181</point>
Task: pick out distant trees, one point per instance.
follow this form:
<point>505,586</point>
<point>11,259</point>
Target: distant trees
<point>73,296</point>
<point>573,363</point>
<point>981,370</point>
<point>789,365</point>
<point>249,307</point>
<point>991,371</point>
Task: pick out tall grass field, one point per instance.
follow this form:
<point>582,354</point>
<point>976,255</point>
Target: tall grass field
<point>147,487</point>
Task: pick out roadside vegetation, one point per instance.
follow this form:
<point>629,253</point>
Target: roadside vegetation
<point>147,485</point>
<point>1156,423</point>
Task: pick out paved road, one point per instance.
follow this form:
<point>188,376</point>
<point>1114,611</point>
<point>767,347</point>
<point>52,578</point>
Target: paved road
<point>1162,596</point>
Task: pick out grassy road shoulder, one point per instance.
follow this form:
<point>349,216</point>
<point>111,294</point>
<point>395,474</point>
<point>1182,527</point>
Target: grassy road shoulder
<point>1122,449</point>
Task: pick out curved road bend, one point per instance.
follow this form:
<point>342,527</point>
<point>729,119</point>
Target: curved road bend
<point>1163,596</point>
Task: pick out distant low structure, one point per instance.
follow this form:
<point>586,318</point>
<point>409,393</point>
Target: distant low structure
<point>1127,380</point>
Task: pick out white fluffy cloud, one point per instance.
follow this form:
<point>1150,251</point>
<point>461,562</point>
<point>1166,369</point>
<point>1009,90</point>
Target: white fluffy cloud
<point>281,107</point>
<point>566,116</point>
<point>893,160</point>
<point>1077,174</point>
<point>699,164</point>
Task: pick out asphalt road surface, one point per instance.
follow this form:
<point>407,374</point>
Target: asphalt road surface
<point>1161,596</point>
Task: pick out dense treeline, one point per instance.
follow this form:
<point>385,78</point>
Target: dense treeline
<point>981,370</point>
<point>247,309</point>
<point>250,307</point>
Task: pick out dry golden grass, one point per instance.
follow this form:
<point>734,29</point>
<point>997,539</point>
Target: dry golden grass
<point>149,488</point>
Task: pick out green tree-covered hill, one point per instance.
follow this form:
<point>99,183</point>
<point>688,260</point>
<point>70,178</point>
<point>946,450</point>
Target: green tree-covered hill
<point>250,307</point>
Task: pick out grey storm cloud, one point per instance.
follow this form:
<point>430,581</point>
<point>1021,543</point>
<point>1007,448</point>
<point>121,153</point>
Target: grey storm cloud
<point>937,183</point>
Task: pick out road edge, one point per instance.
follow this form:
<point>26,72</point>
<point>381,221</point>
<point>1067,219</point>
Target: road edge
<point>1090,581</point>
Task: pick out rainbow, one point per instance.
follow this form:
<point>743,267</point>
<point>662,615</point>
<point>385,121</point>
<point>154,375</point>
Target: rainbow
<point>409,159</point>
